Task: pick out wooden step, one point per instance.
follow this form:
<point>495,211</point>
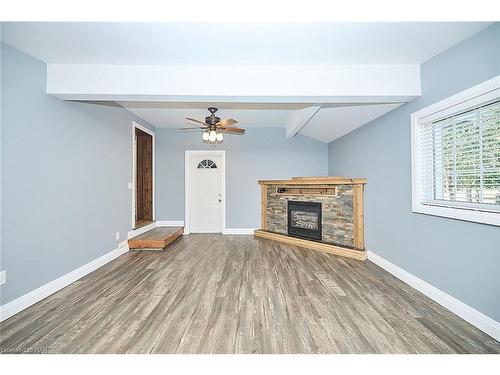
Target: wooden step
<point>155,239</point>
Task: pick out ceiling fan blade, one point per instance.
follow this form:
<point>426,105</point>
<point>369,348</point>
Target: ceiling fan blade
<point>232,130</point>
<point>227,122</point>
<point>194,128</point>
<point>198,121</point>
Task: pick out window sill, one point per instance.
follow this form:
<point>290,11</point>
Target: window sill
<point>490,218</point>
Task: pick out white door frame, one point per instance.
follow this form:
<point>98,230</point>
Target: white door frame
<point>136,125</point>
<point>187,185</point>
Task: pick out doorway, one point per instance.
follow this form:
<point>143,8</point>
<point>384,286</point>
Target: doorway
<point>143,202</point>
<point>205,191</point>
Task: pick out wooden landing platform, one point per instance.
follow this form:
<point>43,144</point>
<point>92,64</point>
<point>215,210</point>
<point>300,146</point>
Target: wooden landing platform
<point>155,239</point>
<point>327,248</point>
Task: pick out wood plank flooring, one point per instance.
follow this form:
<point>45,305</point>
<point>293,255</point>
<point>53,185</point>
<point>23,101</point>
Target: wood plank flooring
<point>239,294</point>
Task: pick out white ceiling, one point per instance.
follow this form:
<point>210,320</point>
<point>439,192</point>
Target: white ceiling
<point>332,123</point>
<point>236,44</point>
<point>328,124</point>
<point>167,117</point>
<point>227,45</point>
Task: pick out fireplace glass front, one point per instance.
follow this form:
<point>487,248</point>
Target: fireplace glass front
<point>304,219</point>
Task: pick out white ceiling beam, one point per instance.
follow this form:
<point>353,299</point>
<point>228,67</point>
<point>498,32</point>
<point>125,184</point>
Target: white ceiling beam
<point>257,84</point>
<point>300,119</point>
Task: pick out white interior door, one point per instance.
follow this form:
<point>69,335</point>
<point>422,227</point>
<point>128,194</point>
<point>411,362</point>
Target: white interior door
<point>206,193</point>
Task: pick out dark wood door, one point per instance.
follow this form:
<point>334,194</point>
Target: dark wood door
<point>144,177</point>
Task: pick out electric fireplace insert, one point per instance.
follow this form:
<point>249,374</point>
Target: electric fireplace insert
<point>304,220</point>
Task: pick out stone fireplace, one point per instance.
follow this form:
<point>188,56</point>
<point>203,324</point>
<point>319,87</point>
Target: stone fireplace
<point>320,213</point>
<point>304,219</point>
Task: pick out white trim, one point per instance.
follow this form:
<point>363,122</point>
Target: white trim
<point>469,314</point>
<point>452,101</point>
<point>238,230</point>
<point>476,216</point>
<point>155,224</point>
<point>300,119</point>
<point>486,90</point>
<point>134,167</point>
<point>238,83</point>
<point>170,223</point>
<point>187,184</point>
<point>180,223</point>
<point>21,303</point>
<point>141,230</point>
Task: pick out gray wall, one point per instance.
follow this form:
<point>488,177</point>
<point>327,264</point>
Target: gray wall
<point>461,258</point>
<point>261,153</point>
<point>65,169</point>
<point>1,181</point>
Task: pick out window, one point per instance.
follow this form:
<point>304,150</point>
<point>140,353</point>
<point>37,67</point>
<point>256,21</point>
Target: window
<point>456,156</point>
<point>207,164</point>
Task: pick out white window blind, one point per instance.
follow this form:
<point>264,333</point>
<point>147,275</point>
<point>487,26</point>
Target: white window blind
<point>460,159</point>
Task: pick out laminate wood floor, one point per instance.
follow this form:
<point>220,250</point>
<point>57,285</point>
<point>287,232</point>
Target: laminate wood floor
<point>240,294</point>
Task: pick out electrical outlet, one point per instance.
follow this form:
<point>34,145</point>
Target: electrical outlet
<point>117,235</point>
<point>3,277</point>
<point>130,185</point>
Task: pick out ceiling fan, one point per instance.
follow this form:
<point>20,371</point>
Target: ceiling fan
<point>213,127</point>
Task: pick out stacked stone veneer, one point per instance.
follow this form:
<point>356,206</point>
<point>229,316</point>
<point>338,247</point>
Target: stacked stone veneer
<point>337,213</point>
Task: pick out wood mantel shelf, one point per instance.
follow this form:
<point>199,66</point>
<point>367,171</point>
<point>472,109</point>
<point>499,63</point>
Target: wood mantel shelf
<point>342,197</point>
<point>327,180</point>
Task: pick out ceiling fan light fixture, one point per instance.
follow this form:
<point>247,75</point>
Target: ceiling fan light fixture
<point>213,136</point>
<point>213,126</point>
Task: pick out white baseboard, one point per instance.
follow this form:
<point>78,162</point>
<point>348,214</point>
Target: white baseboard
<point>180,223</point>
<point>141,230</point>
<point>467,313</point>
<point>153,225</point>
<point>123,246</point>
<point>238,230</point>
<point>170,223</point>
<point>20,303</point>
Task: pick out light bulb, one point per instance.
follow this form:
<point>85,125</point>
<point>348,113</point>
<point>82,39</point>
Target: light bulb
<point>220,137</point>
<point>213,136</point>
<point>205,136</point>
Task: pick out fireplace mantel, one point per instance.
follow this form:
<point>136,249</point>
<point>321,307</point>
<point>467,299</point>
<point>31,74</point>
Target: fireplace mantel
<point>316,180</point>
<point>342,212</point>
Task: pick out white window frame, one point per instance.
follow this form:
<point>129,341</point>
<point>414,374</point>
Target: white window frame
<point>484,92</point>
